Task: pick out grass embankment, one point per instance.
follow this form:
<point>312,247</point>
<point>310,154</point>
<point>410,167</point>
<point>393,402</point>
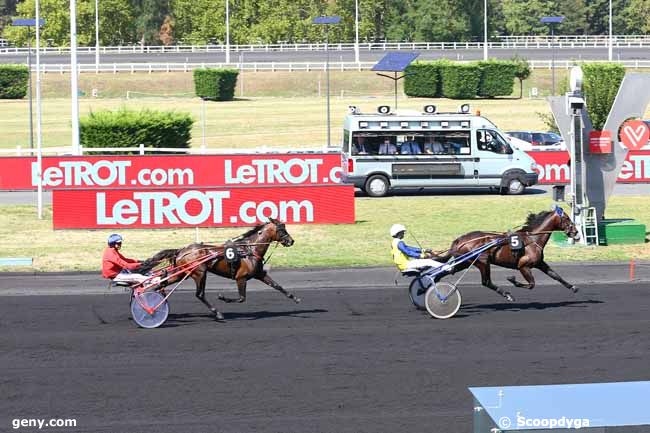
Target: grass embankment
<point>281,109</point>
<point>434,220</point>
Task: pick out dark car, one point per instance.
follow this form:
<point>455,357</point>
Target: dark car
<point>537,138</point>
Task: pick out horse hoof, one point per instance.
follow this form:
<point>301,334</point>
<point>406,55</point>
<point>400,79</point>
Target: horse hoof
<point>297,300</point>
<point>218,316</point>
<point>574,289</point>
<point>509,297</point>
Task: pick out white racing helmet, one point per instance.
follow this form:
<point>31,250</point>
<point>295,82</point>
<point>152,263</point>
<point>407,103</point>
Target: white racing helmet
<point>396,229</point>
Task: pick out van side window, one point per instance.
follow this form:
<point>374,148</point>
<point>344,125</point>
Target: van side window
<point>491,141</point>
<point>447,143</point>
<point>346,141</point>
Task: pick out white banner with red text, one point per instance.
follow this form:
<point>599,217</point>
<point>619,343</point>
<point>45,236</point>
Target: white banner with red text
<point>201,207</point>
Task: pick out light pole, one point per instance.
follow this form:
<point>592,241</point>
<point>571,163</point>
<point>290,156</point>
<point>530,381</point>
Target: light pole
<point>551,21</point>
<point>356,31</point>
<point>96,36</point>
<point>485,31</point>
<point>74,78</point>
<point>327,21</point>
<point>610,31</point>
<point>28,22</point>
<point>227,32</point>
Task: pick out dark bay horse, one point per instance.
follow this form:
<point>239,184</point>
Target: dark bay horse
<point>251,248</point>
<point>534,235</point>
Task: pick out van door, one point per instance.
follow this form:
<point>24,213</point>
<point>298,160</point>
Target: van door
<point>495,155</point>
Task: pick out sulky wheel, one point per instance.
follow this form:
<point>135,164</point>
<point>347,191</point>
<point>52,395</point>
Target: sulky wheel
<point>417,290</point>
<point>442,300</point>
<point>149,319</point>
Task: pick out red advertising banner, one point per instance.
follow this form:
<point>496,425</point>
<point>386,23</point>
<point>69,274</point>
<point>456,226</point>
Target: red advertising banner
<point>553,167</point>
<point>204,207</point>
<point>600,141</point>
<point>164,171</point>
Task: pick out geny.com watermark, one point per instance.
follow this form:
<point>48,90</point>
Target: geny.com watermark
<point>547,423</point>
<point>41,423</point>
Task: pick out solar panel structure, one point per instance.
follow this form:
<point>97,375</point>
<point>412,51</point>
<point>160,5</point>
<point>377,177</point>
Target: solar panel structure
<point>395,61</point>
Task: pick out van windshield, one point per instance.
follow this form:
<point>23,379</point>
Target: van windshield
<point>411,143</point>
<point>492,141</point>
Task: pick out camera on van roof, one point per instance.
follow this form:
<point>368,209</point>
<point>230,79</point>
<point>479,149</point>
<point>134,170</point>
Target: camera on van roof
<point>383,109</point>
<point>430,109</point>
<point>464,109</point>
<point>353,109</point>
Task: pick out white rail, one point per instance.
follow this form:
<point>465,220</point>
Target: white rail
<point>142,150</point>
<point>597,41</point>
<point>133,68</point>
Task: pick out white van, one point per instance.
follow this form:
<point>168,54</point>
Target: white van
<point>389,150</point>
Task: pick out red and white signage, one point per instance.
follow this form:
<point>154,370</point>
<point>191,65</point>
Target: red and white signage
<point>203,207</point>
<point>553,167</point>
<point>166,171</point>
<point>600,141</point>
<point>635,134</point>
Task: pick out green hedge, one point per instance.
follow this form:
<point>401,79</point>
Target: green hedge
<point>13,81</point>
<point>215,84</point>
<point>460,80</point>
<point>601,83</point>
<point>423,79</point>
<point>127,128</point>
<point>497,78</point>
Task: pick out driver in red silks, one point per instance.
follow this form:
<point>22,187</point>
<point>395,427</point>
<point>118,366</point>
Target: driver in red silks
<point>117,267</point>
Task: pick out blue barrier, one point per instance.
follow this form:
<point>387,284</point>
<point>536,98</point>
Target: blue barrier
<point>15,261</point>
<point>591,406</point>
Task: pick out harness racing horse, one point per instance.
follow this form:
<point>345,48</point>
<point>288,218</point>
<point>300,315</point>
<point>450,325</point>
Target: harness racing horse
<point>251,248</point>
<point>534,235</point>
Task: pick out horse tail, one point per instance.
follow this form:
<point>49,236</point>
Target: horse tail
<point>160,256</point>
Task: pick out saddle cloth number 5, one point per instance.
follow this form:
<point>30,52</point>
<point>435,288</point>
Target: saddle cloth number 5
<point>515,242</point>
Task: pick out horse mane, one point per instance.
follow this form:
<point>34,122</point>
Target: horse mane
<point>249,233</point>
<point>535,219</point>
<point>159,257</point>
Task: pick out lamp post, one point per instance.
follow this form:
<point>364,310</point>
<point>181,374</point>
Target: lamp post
<point>96,36</point>
<point>356,31</point>
<point>74,78</point>
<point>610,32</point>
<point>552,21</point>
<point>227,32</point>
<point>327,21</point>
<point>485,31</point>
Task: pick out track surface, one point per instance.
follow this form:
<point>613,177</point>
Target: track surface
<point>349,358</point>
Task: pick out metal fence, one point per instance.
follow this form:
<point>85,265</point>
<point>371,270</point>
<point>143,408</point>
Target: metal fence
<point>620,41</point>
<point>133,68</point>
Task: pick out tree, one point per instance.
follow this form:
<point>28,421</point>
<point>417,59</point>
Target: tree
<point>150,15</point>
<point>598,16</point>
<point>522,72</point>
<point>522,17</point>
<point>166,34</point>
<point>636,17</point>
<point>115,16</point>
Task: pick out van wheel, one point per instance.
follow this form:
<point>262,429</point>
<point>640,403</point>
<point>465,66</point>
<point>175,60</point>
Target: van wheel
<point>377,186</point>
<point>514,186</point>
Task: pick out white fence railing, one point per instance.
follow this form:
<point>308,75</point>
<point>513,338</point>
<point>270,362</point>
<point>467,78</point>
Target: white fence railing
<point>142,150</point>
<point>133,68</point>
<point>629,41</point>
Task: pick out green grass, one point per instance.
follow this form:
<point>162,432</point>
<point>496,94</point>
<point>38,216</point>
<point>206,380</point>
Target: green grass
<point>434,220</point>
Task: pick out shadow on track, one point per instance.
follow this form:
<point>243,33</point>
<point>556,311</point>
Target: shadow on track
<point>190,318</point>
<point>508,306</point>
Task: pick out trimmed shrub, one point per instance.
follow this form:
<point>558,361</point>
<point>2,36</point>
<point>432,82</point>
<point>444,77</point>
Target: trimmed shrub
<point>460,81</point>
<point>128,128</point>
<point>424,79</point>
<point>601,83</point>
<point>13,81</point>
<point>215,84</point>
<point>497,78</point>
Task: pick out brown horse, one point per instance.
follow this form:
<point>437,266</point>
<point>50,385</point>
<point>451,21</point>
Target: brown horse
<point>534,235</point>
<point>250,250</point>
